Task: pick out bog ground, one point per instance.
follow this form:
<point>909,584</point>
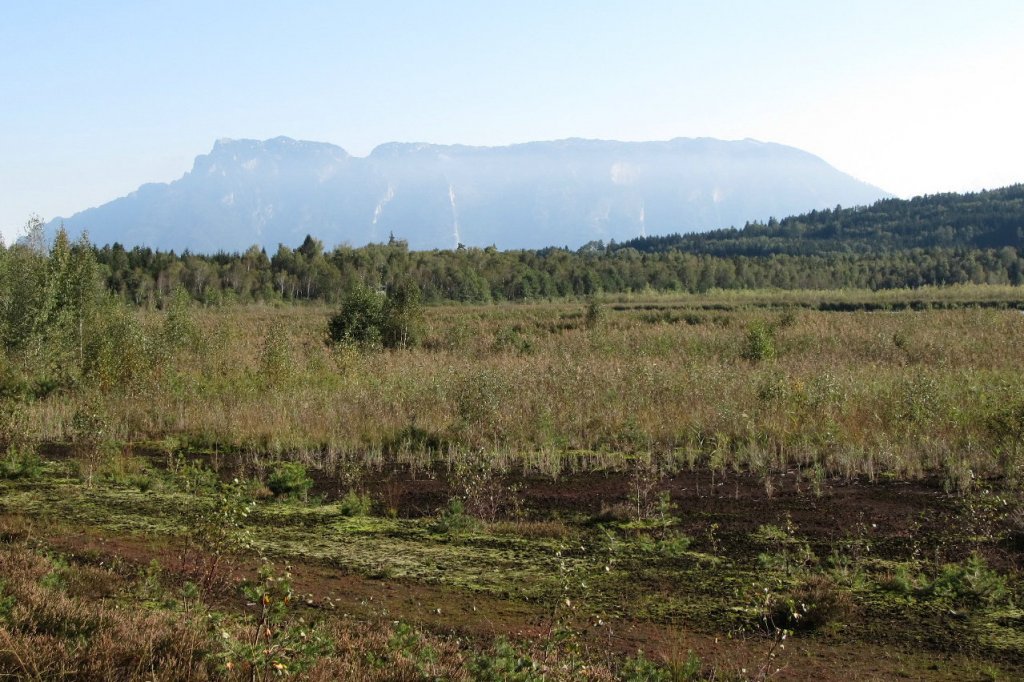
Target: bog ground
<point>802,485</point>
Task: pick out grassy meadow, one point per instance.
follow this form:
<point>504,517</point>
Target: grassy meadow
<point>750,382</point>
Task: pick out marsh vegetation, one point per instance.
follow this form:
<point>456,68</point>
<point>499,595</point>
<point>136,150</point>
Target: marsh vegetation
<point>724,485</point>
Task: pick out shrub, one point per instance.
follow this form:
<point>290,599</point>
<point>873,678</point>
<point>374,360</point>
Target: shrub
<point>360,318</point>
<point>180,330</point>
<point>371,319</point>
<point>640,668</point>
<point>277,642</point>
<point>505,663</point>
<point>20,462</point>
<point>760,342</point>
<point>454,519</point>
<point>514,338</point>
<point>971,582</point>
<point>813,603</point>
<point>594,314</point>
<point>354,504</point>
<point>786,552</point>
<point>289,479</point>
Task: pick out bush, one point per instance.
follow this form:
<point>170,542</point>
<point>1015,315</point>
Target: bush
<point>371,319</point>
<point>454,519</point>
<point>812,604</point>
<point>594,314</point>
<point>640,668</point>
<point>288,479</point>
<point>20,462</point>
<point>760,342</point>
<point>360,319</point>
<point>970,583</point>
<point>354,504</point>
<point>505,663</point>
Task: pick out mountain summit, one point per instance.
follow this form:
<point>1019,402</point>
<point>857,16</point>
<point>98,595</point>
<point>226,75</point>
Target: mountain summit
<point>565,192</point>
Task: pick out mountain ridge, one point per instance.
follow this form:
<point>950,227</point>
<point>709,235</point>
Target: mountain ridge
<point>524,195</point>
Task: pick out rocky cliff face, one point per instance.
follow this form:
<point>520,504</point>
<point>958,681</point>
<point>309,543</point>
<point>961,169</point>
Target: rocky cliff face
<point>562,193</point>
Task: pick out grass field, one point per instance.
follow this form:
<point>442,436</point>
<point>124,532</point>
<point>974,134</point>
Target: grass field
<point>797,485</point>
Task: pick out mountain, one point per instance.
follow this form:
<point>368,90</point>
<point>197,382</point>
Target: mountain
<point>566,192</point>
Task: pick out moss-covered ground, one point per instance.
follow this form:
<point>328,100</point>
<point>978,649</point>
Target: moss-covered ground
<point>927,577</point>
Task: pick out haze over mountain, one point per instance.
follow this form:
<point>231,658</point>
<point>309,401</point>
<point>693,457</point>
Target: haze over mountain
<point>531,195</point>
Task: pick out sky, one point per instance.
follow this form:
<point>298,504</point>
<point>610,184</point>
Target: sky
<point>99,97</point>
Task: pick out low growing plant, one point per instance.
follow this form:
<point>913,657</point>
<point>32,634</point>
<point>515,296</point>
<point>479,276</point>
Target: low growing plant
<point>355,504</point>
<point>276,642</point>
<point>289,479</point>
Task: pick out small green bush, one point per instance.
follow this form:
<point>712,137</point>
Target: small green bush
<point>505,664</point>
<point>760,342</point>
<point>815,602</point>
<point>514,339</point>
<point>354,504</point>
<point>971,582</point>
<point>373,320</point>
<point>594,315</point>
<point>454,519</point>
<point>20,462</point>
<point>360,318</point>
<point>289,479</point>
<point>639,668</point>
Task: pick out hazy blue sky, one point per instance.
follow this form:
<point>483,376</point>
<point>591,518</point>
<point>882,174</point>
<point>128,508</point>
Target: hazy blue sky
<point>99,97</point>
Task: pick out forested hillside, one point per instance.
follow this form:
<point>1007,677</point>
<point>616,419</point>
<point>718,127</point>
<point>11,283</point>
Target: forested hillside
<point>984,220</point>
<point>934,240</point>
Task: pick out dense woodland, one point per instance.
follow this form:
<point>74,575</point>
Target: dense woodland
<point>984,220</point>
<point>932,240</point>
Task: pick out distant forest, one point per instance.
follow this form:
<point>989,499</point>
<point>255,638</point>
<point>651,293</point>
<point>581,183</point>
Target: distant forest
<point>932,240</point>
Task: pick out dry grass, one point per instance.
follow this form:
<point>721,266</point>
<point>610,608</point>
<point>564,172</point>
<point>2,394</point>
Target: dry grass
<point>871,393</point>
<point>85,622</point>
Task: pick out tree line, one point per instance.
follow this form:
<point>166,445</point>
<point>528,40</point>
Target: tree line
<point>309,273</point>
<point>980,220</point>
<point>933,240</point>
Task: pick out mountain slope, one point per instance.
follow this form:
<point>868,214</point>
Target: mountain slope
<point>529,195</point>
<point>979,220</point>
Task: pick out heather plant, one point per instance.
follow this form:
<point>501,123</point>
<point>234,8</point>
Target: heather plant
<point>407,643</point>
